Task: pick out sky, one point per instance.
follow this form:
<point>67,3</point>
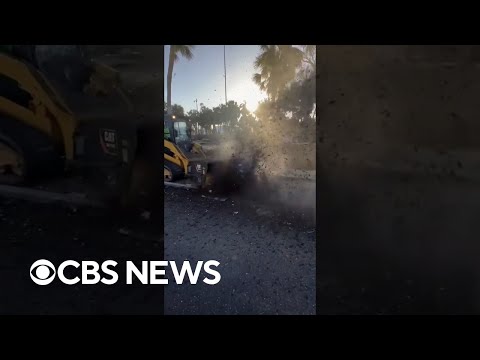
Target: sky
<point>202,77</point>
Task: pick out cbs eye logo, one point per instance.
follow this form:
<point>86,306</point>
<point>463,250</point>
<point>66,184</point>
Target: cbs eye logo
<point>42,272</point>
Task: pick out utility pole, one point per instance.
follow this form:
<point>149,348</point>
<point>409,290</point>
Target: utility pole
<point>197,129</point>
<point>225,73</point>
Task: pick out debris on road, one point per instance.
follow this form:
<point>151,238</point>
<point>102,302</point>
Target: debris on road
<point>216,198</point>
<point>264,212</point>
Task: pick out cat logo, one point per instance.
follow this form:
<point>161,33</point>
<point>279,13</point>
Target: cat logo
<point>108,140</point>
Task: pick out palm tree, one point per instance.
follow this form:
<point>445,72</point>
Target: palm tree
<point>278,67</point>
<point>310,54</point>
<point>175,50</point>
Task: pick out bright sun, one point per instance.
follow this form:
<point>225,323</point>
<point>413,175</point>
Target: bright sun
<point>247,91</point>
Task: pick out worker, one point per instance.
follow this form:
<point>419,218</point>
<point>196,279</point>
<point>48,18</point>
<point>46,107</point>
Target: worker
<point>166,133</point>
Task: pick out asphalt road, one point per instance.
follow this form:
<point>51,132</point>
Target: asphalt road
<point>387,244</point>
<point>397,243</point>
<point>30,231</point>
<point>266,255</point>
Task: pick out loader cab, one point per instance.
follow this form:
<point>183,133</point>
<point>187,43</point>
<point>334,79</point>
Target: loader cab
<point>177,131</point>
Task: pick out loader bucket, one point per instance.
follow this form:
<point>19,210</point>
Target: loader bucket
<point>226,176</point>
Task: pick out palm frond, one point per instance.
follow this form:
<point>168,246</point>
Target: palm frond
<point>185,51</point>
<point>257,79</point>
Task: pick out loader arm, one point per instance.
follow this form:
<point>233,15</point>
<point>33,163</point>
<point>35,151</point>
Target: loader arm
<point>173,154</point>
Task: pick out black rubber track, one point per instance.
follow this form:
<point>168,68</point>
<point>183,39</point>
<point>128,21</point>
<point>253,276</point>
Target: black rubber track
<point>41,159</point>
<point>177,171</point>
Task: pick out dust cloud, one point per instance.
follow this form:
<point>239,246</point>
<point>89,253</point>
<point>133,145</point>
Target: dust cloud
<point>270,166</point>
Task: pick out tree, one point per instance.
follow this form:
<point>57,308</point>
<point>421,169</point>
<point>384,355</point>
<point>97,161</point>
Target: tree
<point>205,117</point>
<point>227,115</point>
<point>247,120</point>
<point>178,111</point>
<point>175,51</point>
<point>287,75</point>
<point>265,111</point>
<point>310,55</point>
<point>278,67</point>
<point>309,62</point>
<point>299,99</point>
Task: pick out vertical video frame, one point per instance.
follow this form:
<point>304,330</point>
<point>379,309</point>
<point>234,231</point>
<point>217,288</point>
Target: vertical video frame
<point>239,176</point>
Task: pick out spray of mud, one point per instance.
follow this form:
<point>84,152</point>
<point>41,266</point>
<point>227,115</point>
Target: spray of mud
<point>266,165</point>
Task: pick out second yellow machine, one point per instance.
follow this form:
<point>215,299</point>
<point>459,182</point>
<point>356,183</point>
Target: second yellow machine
<point>185,162</point>
<point>41,136</point>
